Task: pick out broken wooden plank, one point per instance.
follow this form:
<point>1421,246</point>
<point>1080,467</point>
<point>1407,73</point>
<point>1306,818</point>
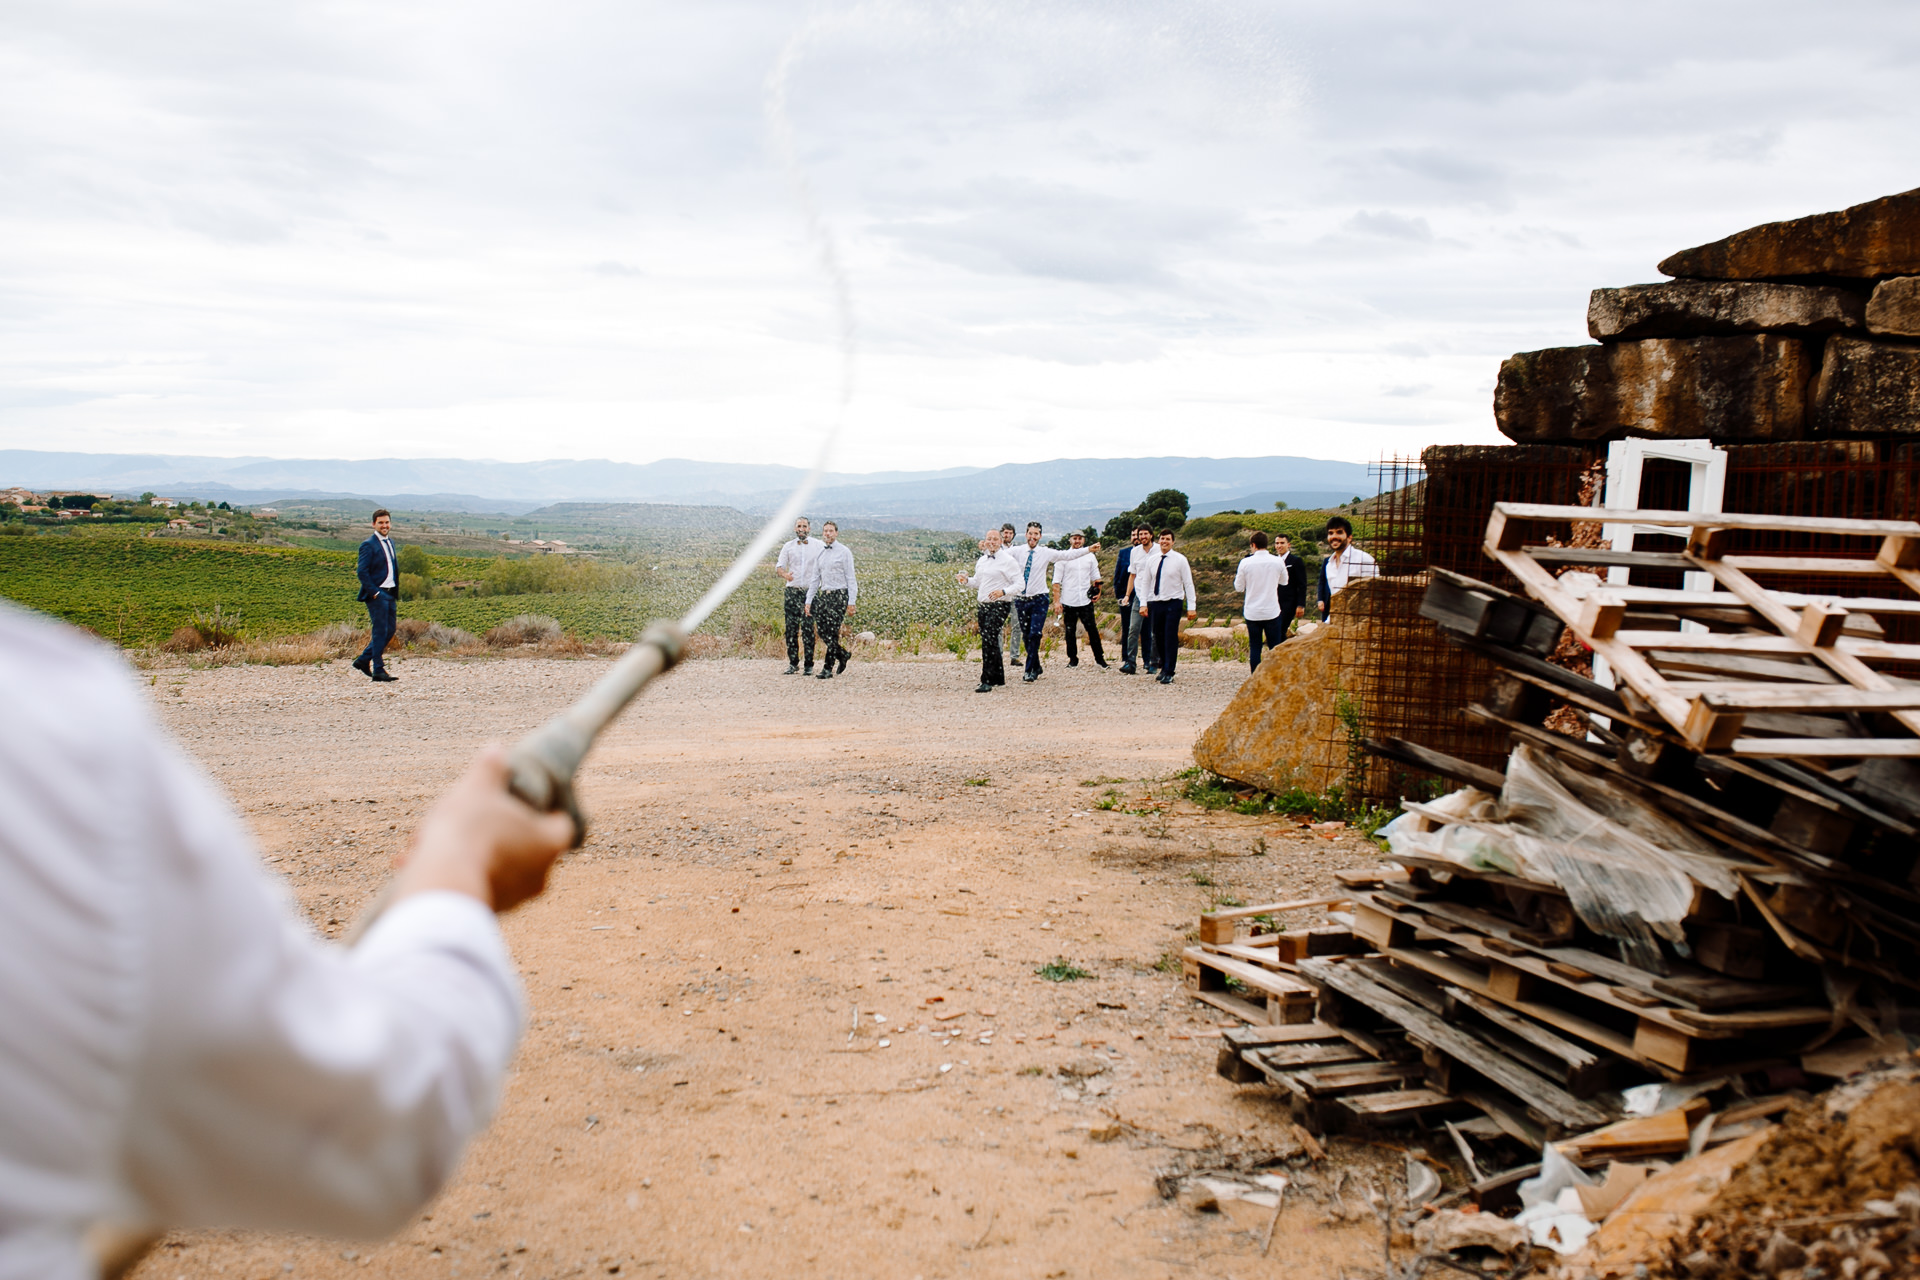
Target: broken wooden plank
<point>1551,1099</point>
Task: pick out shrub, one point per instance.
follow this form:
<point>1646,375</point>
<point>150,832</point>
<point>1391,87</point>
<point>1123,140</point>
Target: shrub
<point>185,640</point>
<point>216,626</point>
<point>413,586</point>
<point>525,628</point>
<point>341,638</point>
<point>408,630</point>
<point>439,635</point>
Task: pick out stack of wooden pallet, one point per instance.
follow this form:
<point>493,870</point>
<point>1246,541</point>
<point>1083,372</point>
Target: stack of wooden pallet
<point>1774,730</point>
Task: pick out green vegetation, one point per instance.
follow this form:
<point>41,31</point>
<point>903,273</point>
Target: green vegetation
<point>1163,509</point>
<point>978,782</point>
<point>1062,970</point>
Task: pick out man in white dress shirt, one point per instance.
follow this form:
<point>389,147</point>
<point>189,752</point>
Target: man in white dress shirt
<point>1077,582</point>
<point>992,582</point>
<point>795,565</point>
<point>1261,577</point>
<point>178,1048</point>
<point>1344,563</point>
<point>1032,597</point>
<point>834,591</point>
<point>1008,537</point>
<point>1160,583</point>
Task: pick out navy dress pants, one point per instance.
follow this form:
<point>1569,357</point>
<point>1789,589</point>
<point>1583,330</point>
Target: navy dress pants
<point>382,613</point>
<point>1163,623</point>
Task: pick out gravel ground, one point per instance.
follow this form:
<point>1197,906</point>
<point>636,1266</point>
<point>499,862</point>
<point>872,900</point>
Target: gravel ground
<point>776,865</point>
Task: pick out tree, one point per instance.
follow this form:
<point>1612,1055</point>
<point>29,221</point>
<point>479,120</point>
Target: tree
<point>225,507</point>
<point>148,497</point>
<point>414,560</point>
<point>1279,506</point>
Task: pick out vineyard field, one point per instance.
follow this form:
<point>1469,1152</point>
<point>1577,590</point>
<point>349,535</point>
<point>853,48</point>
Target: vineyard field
<point>137,591</point>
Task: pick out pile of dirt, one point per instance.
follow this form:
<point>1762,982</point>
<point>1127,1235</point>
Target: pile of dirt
<point>1840,1181</point>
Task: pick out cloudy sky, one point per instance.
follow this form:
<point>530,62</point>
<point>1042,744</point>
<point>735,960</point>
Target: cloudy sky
<point>1101,229</point>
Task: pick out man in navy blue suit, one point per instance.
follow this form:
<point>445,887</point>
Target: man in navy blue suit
<point>379,572</point>
<point>1135,638</point>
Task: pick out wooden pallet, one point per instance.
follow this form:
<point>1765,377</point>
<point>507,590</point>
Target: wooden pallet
<point>1627,1021</point>
<point>1287,1000</point>
<point>1773,659</point>
<point>1446,1045</point>
<point>1333,1080</point>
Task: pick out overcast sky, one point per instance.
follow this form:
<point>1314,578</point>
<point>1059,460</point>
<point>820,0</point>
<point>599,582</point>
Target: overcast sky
<point>1103,229</point>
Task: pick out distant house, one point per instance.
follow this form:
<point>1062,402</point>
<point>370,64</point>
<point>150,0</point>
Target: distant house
<point>265,513</point>
<point>20,497</point>
<point>179,524</point>
<point>168,503</point>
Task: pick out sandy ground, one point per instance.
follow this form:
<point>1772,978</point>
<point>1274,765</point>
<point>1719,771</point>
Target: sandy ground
<point>784,1016</point>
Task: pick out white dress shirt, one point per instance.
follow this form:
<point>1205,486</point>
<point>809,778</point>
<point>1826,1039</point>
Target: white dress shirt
<point>990,574</point>
<point>1349,566</point>
<point>832,570</point>
<point>177,1047</point>
<point>1164,577</point>
<point>797,558</point>
<point>386,545</point>
<point>1030,567</point>
<point>1074,577</point>
<point>1260,576</point>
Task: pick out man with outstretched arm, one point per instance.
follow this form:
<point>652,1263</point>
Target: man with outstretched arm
<point>1031,595</point>
<point>795,565</point>
<point>1161,583</point>
<point>991,582</point>
<point>1134,640</point>
<point>1261,577</point>
<point>1009,536</point>
<point>1076,583</point>
<point>379,572</point>
<point>179,1048</point>
<point>834,591</point>
<point>1345,563</point>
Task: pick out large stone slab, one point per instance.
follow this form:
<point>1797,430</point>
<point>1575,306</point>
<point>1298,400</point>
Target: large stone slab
<point>1867,388</point>
<point>1699,308</point>
<point>1894,309</point>
<point>1738,388</point>
<point>1281,730</point>
<point>1869,241</point>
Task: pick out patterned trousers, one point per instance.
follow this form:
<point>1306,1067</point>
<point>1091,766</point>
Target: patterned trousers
<point>798,625</point>
<point>993,616</point>
<point>1033,622</point>
<point>829,611</point>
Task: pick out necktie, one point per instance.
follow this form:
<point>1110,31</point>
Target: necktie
<point>1157,571</point>
<point>1027,577</point>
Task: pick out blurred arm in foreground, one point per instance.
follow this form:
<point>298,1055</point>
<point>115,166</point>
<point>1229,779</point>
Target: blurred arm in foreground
<point>176,1047</point>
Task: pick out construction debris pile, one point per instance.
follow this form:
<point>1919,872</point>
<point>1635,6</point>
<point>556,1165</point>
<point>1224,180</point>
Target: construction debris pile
<point>1641,939</point>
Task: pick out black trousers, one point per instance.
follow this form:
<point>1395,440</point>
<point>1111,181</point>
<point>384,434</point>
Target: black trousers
<point>1263,632</point>
<point>829,611</point>
<point>382,611</point>
<point>798,626</point>
<point>1083,615</point>
<point>993,616</point>
<point>1033,624</point>
<point>1163,624</point>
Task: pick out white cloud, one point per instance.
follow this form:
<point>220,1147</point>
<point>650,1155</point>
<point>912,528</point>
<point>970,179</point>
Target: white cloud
<point>494,230</point>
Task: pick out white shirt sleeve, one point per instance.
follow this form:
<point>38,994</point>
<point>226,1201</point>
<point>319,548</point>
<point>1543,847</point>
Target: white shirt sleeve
<point>178,1047</point>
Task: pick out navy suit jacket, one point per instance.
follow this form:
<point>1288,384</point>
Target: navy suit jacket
<point>373,568</point>
<point>1120,564</point>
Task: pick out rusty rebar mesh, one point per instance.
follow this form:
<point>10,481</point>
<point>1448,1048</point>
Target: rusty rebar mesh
<point>1406,681</point>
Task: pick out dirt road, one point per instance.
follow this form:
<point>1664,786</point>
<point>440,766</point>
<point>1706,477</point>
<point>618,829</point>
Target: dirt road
<point>785,1019</point>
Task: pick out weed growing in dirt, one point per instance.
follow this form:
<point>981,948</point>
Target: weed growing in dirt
<point>1169,961</point>
<point>1099,782</point>
<point>1200,878</point>
<point>1109,801</point>
<point>1062,970</point>
<point>979,782</point>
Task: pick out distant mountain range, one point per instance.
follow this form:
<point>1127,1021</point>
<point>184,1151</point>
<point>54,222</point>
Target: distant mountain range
<point>1066,491</point>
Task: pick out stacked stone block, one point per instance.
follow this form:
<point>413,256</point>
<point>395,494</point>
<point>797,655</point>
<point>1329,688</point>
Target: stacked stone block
<point>1795,330</point>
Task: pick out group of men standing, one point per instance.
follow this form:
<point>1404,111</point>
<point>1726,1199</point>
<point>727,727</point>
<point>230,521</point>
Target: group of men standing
<point>822,592</point>
<point>1151,581</point>
<point>1015,586</point>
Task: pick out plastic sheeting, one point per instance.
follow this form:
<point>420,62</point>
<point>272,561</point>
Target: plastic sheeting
<point>1630,873</point>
